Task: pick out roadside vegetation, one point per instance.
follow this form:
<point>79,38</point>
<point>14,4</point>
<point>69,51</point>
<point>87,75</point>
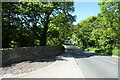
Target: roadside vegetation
<point>50,23</point>
<point>100,33</point>
<point>36,23</point>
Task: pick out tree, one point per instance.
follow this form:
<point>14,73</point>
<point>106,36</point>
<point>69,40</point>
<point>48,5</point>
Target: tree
<point>44,12</point>
<point>59,29</point>
<point>111,20</point>
<point>8,28</point>
<point>83,30</point>
<point>101,31</point>
<point>33,22</point>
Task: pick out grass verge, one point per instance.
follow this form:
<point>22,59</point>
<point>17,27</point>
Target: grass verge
<point>114,51</point>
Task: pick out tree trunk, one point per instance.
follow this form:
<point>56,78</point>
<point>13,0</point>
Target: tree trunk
<point>45,29</point>
<point>44,36</point>
<point>44,33</point>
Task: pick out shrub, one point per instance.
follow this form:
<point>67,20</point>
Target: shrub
<point>116,52</point>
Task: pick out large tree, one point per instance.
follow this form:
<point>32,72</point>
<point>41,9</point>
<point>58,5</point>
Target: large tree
<point>82,32</point>
<point>111,21</point>
<point>35,20</point>
<point>101,31</point>
<point>45,12</point>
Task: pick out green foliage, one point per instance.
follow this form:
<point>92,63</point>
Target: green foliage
<point>82,32</point>
<point>116,52</point>
<point>100,33</point>
<point>36,23</point>
<point>37,42</point>
<point>111,20</point>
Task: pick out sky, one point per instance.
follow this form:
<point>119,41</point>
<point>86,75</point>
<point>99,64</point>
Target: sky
<point>84,10</point>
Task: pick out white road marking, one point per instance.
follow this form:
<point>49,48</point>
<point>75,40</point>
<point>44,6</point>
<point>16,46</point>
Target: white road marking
<point>106,60</point>
<point>79,70</point>
<point>23,74</point>
<point>109,57</point>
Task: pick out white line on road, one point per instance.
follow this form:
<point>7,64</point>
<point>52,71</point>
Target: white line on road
<point>109,57</point>
<point>106,60</point>
<point>23,74</point>
<point>79,70</point>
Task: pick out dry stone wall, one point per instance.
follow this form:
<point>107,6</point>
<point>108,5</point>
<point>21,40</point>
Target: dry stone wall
<point>13,55</point>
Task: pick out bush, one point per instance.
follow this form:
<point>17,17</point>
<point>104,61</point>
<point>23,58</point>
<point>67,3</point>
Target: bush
<point>116,52</point>
<point>94,49</point>
<point>98,50</point>
<point>108,51</point>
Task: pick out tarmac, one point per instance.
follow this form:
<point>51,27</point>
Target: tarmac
<point>63,67</point>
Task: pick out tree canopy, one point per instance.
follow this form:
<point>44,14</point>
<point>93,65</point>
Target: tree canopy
<point>36,23</point>
<point>101,31</point>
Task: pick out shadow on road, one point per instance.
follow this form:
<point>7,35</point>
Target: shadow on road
<point>70,51</point>
<point>73,51</point>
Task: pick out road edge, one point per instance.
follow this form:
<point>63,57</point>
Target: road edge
<point>78,68</point>
<point>116,56</point>
<point>23,74</point>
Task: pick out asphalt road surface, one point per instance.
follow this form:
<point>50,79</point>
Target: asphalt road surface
<point>94,65</point>
<point>76,63</point>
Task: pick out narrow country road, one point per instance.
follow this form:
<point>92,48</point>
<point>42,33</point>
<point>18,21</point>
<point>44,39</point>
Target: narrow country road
<point>64,67</point>
<point>94,65</point>
<point>98,67</point>
<point>75,63</point>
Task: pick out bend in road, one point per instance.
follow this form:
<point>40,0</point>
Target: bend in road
<point>94,65</point>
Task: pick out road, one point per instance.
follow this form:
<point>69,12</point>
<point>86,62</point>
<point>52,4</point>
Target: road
<point>75,63</point>
<point>94,65</point>
<point>64,67</point>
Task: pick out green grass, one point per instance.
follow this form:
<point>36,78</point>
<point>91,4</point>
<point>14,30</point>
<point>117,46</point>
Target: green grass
<point>116,52</point>
<point>92,49</point>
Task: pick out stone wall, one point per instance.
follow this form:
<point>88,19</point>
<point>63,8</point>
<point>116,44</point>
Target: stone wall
<point>13,55</point>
